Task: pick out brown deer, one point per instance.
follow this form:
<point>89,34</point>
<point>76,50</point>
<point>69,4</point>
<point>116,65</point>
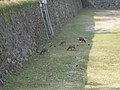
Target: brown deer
<point>62,43</point>
<point>71,47</point>
<point>81,39</point>
<point>44,51</point>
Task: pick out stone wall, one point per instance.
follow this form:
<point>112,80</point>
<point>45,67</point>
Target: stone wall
<point>22,30</point>
<point>62,10</point>
<point>102,4</point>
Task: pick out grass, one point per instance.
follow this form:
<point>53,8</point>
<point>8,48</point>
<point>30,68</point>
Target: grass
<point>7,7</point>
<point>98,64</point>
<point>14,2</point>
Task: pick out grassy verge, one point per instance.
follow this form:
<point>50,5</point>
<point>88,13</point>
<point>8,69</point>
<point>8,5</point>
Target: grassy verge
<point>7,8</point>
<point>15,2</point>
<point>97,63</point>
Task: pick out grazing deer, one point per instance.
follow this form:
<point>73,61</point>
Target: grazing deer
<point>71,47</point>
<point>81,39</point>
<point>62,43</point>
<point>52,46</point>
<point>44,51</point>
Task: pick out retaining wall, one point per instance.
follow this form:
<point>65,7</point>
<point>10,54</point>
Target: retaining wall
<point>22,30</point>
<point>101,4</point>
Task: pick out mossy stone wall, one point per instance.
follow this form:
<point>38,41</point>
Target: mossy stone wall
<point>101,4</point>
<point>22,30</point>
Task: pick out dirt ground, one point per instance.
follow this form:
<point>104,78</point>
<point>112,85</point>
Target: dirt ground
<point>105,21</point>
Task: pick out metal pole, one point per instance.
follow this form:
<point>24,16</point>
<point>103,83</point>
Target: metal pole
<point>49,21</point>
<point>43,19</point>
<point>47,18</point>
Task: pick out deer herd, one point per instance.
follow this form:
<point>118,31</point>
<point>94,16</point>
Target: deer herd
<point>71,47</point>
